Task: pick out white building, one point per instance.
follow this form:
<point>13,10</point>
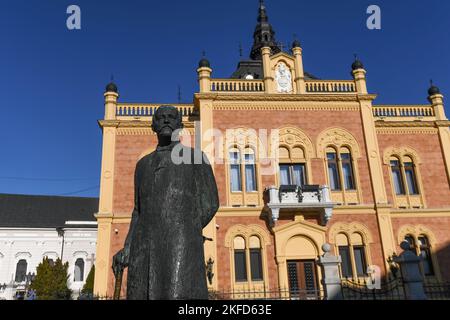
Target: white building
<point>34,227</point>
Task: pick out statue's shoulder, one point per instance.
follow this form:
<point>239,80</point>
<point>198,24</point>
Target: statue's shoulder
<point>144,161</point>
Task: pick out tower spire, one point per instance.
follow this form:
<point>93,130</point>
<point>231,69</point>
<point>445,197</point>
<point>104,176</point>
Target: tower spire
<point>264,35</point>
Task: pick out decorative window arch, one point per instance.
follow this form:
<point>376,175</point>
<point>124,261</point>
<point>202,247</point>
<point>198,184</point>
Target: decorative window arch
<point>406,182</point>
<point>294,154</point>
<point>293,137</point>
<point>337,137</point>
<point>340,151</point>
<point>401,152</point>
<point>247,246</point>
<point>22,255</point>
<point>352,242</point>
<point>416,231</point>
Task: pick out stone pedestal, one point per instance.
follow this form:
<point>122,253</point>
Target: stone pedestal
<point>330,274</point>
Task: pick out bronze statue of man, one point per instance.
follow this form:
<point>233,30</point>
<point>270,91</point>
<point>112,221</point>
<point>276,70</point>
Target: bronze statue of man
<point>173,202</point>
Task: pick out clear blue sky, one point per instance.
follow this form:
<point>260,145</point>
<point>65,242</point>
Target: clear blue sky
<point>52,79</point>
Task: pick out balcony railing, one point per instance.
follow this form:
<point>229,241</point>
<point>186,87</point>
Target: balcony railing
<point>403,111</point>
<point>304,197</point>
<point>330,86</point>
<point>237,85</point>
<point>148,110</point>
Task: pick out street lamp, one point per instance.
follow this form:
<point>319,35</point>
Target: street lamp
<point>61,232</point>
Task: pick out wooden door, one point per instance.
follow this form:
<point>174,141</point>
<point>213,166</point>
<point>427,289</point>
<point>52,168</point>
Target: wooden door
<point>302,279</point>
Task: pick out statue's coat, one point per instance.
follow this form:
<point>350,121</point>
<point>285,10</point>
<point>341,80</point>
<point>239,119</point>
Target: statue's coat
<point>173,203</point>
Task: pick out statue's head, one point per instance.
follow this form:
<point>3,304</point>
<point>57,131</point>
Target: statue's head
<point>166,120</point>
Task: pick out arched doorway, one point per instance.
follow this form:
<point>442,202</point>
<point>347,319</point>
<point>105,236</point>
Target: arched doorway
<point>298,246</point>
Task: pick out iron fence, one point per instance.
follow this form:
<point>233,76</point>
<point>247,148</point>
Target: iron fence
<point>364,289</point>
<point>263,294</point>
<point>437,291</point>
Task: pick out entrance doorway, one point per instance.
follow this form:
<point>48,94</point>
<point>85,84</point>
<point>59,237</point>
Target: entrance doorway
<point>302,276</point>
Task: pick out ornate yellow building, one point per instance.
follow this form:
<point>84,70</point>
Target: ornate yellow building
<point>308,162</point>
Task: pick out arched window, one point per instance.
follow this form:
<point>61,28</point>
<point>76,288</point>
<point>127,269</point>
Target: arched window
<point>425,253</point>
<point>421,247</point>
<point>359,255</point>
<point>79,270</point>
<point>248,259</point>
<point>344,252</point>
<point>243,171</point>
<point>404,177</point>
<point>410,175</point>
<point>235,170</point>
<point>250,170</point>
<point>412,243</point>
<point>292,166</point>
<point>256,259</point>
<point>397,178</point>
<point>353,255</point>
<point>347,169</point>
<point>240,260</point>
<point>21,270</point>
<point>333,171</point>
<point>340,169</point>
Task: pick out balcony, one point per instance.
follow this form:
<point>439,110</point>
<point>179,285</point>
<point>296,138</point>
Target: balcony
<point>306,198</point>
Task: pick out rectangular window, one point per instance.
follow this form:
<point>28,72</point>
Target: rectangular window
<point>397,177</point>
<point>346,265</point>
<point>333,173</point>
<point>235,172</point>
<point>250,173</point>
<point>411,179</point>
<point>299,175</point>
<point>285,177</point>
<point>347,170</point>
<point>240,266</point>
<point>291,174</point>
<point>360,261</point>
<point>256,264</point>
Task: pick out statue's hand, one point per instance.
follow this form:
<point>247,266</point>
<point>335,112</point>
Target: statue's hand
<point>120,261</point>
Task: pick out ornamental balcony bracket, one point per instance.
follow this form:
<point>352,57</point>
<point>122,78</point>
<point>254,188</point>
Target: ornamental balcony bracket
<point>301,198</point>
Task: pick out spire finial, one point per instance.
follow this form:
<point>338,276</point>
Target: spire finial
<point>240,49</point>
<point>357,64</point>
<point>179,94</point>
<point>295,43</point>
<point>111,86</point>
<point>433,89</point>
<point>264,35</point>
<point>203,53</point>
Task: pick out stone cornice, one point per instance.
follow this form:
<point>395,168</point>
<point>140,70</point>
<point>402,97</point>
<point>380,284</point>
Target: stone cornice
<point>134,124</point>
<point>284,107</point>
<point>282,98</point>
<point>443,123</point>
<point>406,124</point>
<point>394,130</point>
